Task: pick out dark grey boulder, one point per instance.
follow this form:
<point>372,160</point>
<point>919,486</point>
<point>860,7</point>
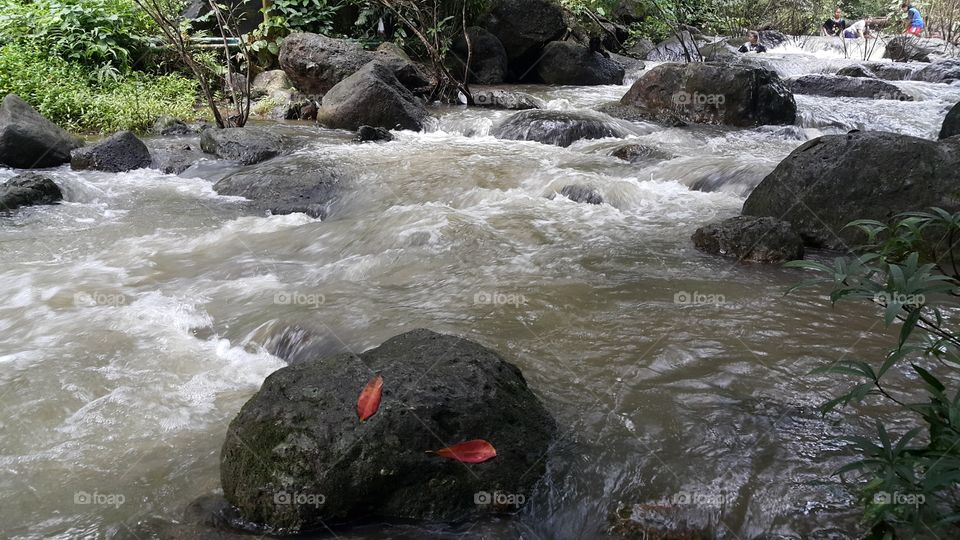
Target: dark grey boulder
<point>569,63</point>
<point>488,63</point>
<point>640,153</point>
<point>641,48</point>
<point>951,124</point>
<point>506,99</point>
<point>944,71</point>
<point>841,86</point>
<point>914,49</point>
<point>296,458</point>
<point>830,181</point>
<point>857,70</point>
<point>28,189</point>
<point>714,94</point>
<point>246,145</point>
<point>369,133</point>
<point>316,63</point>
<point>289,184</point>
<point>30,141</point>
<point>632,113</point>
<point>582,194</point>
<point>375,97</point>
<point>524,27</point>
<point>674,49</point>
<point>174,156</point>
<point>120,152</point>
<point>561,128</point>
<point>169,126</point>
<point>745,238</point>
<point>410,74</point>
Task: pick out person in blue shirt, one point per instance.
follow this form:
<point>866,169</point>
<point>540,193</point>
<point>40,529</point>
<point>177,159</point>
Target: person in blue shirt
<point>915,24</point>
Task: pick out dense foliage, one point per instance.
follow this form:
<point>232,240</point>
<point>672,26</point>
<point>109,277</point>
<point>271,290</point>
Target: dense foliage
<point>910,270</point>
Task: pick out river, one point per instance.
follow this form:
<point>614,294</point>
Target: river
<point>140,315</point>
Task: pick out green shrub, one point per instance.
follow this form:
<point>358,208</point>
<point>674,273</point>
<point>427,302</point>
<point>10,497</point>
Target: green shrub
<point>65,93</point>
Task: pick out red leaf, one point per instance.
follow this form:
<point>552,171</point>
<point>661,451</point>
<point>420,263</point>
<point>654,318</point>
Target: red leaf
<point>475,451</point>
<point>369,400</point>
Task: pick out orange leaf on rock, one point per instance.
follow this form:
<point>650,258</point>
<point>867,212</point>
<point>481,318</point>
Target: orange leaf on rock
<point>475,451</point>
<point>369,400</point>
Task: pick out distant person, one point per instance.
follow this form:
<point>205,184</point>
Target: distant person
<point>834,26</point>
<point>856,30</point>
<point>915,24</point>
<point>753,44</point>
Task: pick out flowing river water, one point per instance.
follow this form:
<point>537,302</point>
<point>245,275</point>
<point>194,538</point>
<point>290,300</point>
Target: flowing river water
<point>139,316</point>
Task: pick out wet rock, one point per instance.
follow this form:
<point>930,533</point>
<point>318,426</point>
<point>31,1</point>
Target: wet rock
<point>28,189</point>
<point>296,457</point>
<point>287,185</point>
<point>561,128</point>
<point>489,62</point>
<point>633,113</point>
<point>120,152</point>
<point>368,133</point>
<point>582,194</point>
<point>568,63</point>
<point>269,82</point>
<point>316,63</point>
<point>614,36</point>
<point>714,94</point>
<point>629,64</point>
<point>773,38</point>
<point>944,71</point>
<point>524,27</point>
<point>720,51</point>
<point>858,70</point>
<point>30,141</point>
<point>658,521</point>
<point>951,124</point>
<point>889,71</point>
<point>674,49</point>
<point>505,99</point>
<point>763,240</point>
<point>914,49</point>
<point>167,126</point>
<point>640,153</point>
<point>830,181</point>
<point>641,49</point>
<point>372,96</point>
<point>174,156</point>
<point>246,145</point>
<point>840,86</point>
<point>410,74</point>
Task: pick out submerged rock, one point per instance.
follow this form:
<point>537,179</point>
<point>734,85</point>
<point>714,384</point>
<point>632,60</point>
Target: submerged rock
<point>505,99</point>
<point>764,240</point>
<point>582,194</point>
<point>640,153</point>
<point>841,86</point>
<point>568,63</point>
<point>30,141</point>
<point>372,96</point>
<point>120,152</point>
<point>830,181</point>
<point>296,458</point>
<point>951,124</point>
<point>28,189</point>
<point>714,94</point>
<point>246,145</point>
<point>368,133</point>
<point>287,185</point>
<point>561,128</point>
<point>489,62</point>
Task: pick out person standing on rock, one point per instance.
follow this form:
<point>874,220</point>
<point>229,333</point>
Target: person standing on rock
<point>915,24</point>
<point>835,26</point>
<point>753,44</point>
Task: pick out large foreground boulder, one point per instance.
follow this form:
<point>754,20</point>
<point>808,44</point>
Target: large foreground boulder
<point>246,145</point>
<point>30,141</point>
<point>830,181</point>
<point>120,152</point>
<point>489,63</point>
<point>714,94</point>
<point>289,184</point>
<point>569,63</point>
<point>524,27</point>
<point>375,97</point>
<point>745,238</point>
<point>316,63</point>
<point>28,189</point>
<point>297,458</point>
<point>951,124</point>
<point>840,86</point>
<point>561,128</point>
